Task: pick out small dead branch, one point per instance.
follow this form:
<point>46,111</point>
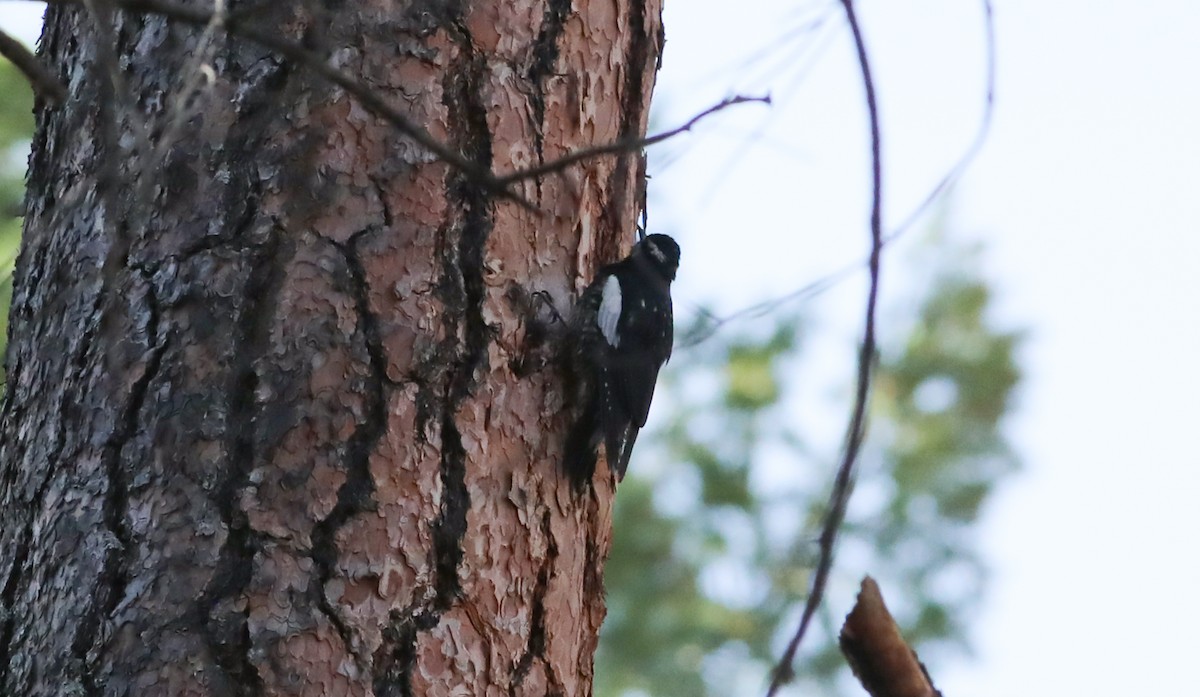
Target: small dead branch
<point>880,658</point>
<point>626,144</point>
<point>952,175</point>
<point>714,323</point>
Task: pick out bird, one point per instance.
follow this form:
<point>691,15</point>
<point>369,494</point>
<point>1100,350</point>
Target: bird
<point>621,330</point>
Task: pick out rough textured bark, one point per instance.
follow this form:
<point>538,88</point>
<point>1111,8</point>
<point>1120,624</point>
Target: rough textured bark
<point>275,429</point>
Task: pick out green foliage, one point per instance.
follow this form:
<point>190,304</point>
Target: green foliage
<point>16,129</point>
<point>712,553</point>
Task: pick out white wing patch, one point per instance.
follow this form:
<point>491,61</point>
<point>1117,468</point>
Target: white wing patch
<point>610,311</point>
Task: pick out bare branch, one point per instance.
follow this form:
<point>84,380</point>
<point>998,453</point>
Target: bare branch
<point>766,307</point>
<point>866,360</point>
<point>949,179</point>
<point>236,24</point>
<point>625,144</point>
<point>43,82</point>
<point>882,661</point>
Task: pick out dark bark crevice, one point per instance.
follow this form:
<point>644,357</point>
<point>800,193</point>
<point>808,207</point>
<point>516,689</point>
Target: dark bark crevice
<point>393,662</point>
<point>639,53</point>
<point>223,628</point>
<point>451,524</point>
<point>545,59</point>
<point>8,602</point>
<point>89,641</point>
<point>536,645</point>
<point>243,207</point>
<point>462,292</point>
<point>381,192</point>
<point>593,587</point>
<point>357,491</point>
<point>227,639</point>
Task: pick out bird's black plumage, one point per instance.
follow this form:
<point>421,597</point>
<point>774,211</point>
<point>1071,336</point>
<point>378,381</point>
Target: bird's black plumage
<point>622,330</point>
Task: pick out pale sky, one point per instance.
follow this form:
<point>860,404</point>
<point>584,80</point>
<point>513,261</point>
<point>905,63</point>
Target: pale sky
<point>1086,199</point>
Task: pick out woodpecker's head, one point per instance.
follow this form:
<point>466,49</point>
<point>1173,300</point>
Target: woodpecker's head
<point>662,252</point>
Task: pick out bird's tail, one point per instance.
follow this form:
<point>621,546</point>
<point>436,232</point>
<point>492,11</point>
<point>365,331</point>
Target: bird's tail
<point>579,455</point>
<point>621,461</point>
<point>619,434</point>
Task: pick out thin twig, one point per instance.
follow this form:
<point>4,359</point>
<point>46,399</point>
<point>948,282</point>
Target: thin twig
<point>765,307</point>
<point>43,82</point>
<point>625,144</point>
<point>966,158</point>
<point>370,100</point>
<point>801,62</point>
<point>985,126</point>
<point>866,360</point>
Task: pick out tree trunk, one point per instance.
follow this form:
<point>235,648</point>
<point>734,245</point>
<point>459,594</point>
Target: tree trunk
<point>272,423</point>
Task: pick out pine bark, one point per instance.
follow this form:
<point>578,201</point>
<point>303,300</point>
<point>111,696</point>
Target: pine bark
<point>274,422</point>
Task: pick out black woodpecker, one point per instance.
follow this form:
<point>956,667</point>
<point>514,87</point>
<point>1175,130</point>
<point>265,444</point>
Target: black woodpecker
<point>621,334</point>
